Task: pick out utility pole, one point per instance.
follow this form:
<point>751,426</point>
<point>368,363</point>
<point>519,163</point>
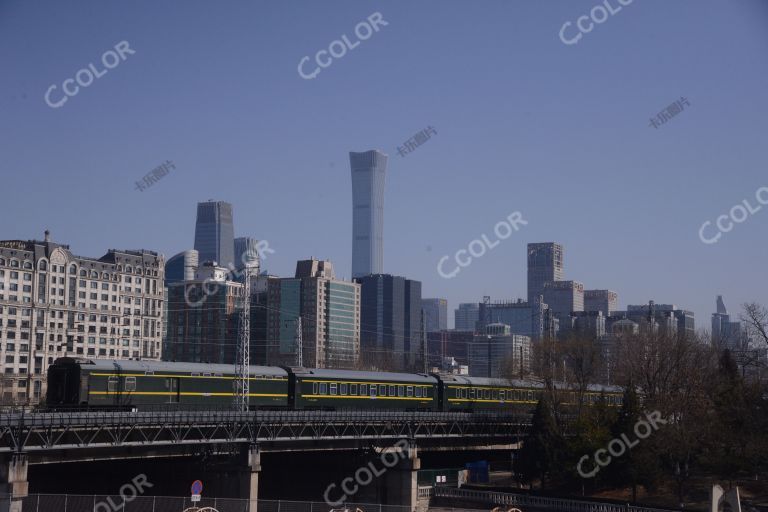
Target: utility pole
<point>243,358</point>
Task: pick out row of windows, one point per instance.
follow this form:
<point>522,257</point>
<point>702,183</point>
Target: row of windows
<point>494,394</point>
<point>43,265</point>
<point>344,389</point>
<point>520,394</point>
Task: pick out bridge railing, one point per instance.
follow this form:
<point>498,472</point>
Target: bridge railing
<point>547,503</point>
<point>101,503</point>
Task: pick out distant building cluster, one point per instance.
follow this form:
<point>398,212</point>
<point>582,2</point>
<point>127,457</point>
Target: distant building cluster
<point>135,304</point>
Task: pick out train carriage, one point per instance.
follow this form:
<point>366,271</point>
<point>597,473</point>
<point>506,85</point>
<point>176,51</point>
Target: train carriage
<point>322,389</point>
<point>461,393</point>
<point>128,384</point>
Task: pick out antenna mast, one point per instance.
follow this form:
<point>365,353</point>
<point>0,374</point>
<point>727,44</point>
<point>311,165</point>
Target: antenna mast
<point>299,344</point>
<point>243,360</point>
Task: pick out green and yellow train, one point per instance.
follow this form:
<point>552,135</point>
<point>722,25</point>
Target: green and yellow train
<point>135,385</point>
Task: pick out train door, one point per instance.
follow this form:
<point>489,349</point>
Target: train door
<point>172,387</point>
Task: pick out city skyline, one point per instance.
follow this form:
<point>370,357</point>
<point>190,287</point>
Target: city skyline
<point>449,191</point>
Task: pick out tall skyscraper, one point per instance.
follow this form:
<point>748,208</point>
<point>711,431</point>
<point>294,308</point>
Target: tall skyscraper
<point>466,316</point>
<point>368,176</point>
<point>390,319</point>
<point>214,233</point>
<point>545,264</point>
<point>436,314</point>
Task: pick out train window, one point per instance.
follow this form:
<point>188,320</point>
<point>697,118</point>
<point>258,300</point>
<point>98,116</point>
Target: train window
<point>382,390</point>
<point>363,389</point>
<point>334,387</point>
<point>487,394</point>
<point>426,393</point>
<point>314,388</point>
<point>112,384</point>
<point>530,396</point>
<point>501,394</point>
<point>409,391</point>
<point>401,391</point>
<point>149,372</point>
<point>463,392</point>
<point>195,374</point>
<point>323,388</point>
<point>373,389</point>
<point>392,391</point>
<point>472,393</point>
<point>206,375</point>
<point>343,389</point>
<point>220,375</point>
<point>418,391</point>
<point>130,383</point>
<point>353,389</point>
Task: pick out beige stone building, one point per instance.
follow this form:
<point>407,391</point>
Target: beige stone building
<point>56,304</point>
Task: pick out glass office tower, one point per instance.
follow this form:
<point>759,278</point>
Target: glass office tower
<point>368,174</point>
<point>214,233</point>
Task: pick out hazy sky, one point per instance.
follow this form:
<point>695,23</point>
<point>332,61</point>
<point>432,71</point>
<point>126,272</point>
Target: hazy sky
<point>524,123</point>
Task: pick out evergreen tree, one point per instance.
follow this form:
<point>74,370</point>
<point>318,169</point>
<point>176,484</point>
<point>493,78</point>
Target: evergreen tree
<point>543,450</point>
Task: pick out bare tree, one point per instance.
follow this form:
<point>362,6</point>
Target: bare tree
<point>755,318</point>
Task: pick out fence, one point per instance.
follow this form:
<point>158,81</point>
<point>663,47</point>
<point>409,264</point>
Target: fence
<point>79,503</point>
<point>524,500</point>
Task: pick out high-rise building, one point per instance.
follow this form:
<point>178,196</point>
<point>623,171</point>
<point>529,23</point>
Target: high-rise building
<point>214,233</point>
<point>247,254</point>
<point>605,301</point>
<point>203,317</point>
<point>564,297</point>
<point>391,335</point>
<point>725,333</point>
<point>499,354</point>
<point>466,316</point>
<point>368,177</point>
<point>435,314</point>
<point>545,264</point>
<point>652,317</point>
<point>330,318</point>
<point>56,304</point>
<point>181,267</point>
<point>519,315</point>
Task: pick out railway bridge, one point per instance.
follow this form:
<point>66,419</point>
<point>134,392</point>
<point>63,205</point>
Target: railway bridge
<point>28,439</point>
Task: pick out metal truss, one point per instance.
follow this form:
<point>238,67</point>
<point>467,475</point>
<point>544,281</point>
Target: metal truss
<point>32,432</point>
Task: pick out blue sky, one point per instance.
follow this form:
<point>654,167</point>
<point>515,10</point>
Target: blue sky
<point>524,123</point>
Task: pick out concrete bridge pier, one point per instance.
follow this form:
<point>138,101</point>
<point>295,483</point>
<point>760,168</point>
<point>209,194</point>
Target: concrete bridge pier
<point>13,479</point>
<point>401,483</point>
<point>249,476</point>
